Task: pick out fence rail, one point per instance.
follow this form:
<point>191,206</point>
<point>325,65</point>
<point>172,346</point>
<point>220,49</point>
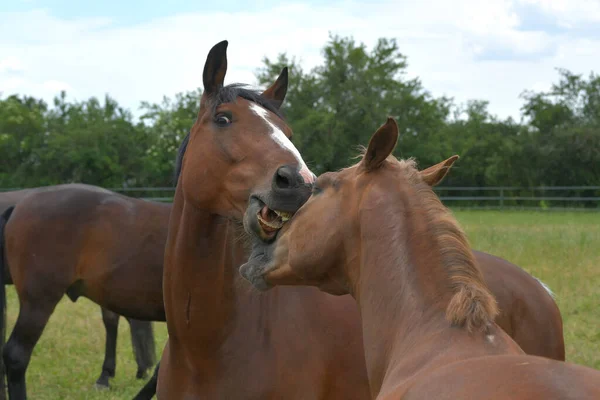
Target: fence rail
<point>470,197</point>
<point>540,197</point>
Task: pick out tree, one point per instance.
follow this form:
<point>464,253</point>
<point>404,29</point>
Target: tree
<point>167,124</point>
<point>338,104</point>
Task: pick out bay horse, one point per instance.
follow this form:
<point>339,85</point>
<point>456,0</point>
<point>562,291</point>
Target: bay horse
<point>142,335</point>
<point>214,336</point>
<point>86,241</point>
<point>377,231</point>
<point>225,340</point>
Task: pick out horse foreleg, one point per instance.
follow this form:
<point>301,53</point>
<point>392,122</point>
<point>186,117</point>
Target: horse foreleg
<point>30,324</point>
<point>111,324</point>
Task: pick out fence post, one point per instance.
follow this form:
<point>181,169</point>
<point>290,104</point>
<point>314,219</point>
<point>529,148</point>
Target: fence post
<point>501,197</point>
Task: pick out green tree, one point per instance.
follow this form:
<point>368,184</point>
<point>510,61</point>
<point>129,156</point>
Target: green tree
<point>167,124</point>
<point>565,139</point>
<point>337,105</point>
<point>23,127</point>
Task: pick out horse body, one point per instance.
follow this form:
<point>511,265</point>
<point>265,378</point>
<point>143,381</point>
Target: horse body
<point>527,309</point>
<point>528,377</point>
<point>376,230</point>
<point>11,198</point>
<point>84,222</point>
<point>84,241</point>
<point>227,330</point>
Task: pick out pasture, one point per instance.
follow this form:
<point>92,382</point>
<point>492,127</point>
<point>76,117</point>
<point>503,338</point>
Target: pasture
<point>560,248</point>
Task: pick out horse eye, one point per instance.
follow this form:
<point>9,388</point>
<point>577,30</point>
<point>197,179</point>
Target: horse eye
<point>316,190</point>
<point>222,119</point>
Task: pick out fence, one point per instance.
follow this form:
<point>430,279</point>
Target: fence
<point>511,197</point>
<point>468,197</point>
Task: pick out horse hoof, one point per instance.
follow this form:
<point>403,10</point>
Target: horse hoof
<point>142,374</point>
<point>102,386</point>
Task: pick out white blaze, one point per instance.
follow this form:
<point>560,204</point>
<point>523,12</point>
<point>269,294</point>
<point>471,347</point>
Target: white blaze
<point>283,141</point>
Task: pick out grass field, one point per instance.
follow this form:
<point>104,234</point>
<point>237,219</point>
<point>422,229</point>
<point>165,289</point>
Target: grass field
<point>562,249</point>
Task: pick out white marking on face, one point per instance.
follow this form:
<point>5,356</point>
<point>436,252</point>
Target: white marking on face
<point>490,338</point>
<point>283,141</point>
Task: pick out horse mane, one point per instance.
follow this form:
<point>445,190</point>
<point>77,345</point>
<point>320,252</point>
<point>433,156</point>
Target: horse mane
<point>227,94</point>
<point>472,305</point>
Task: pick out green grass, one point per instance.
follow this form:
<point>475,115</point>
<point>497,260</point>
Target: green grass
<point>68,357</point>
<point>561,249</point>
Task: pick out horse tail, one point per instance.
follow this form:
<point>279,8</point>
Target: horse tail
<point>144,348</point>
<point>3,270</point>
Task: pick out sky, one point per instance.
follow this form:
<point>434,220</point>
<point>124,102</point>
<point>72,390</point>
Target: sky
<point>143,50</point>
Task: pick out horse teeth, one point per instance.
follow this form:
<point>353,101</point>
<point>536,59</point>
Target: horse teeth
<point>276,225</point>
<point>285,216</point>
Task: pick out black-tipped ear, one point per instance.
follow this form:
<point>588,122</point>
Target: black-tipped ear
<point>381,145</point>
<point>277,91</point>
<point>215,68</point>
<point>436,173</point>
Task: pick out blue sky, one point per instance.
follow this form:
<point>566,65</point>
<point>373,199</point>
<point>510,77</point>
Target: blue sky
<point>141,50</point>
<point>126,12</point>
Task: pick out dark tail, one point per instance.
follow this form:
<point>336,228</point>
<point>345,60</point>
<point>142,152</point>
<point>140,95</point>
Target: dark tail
<point>3,269</point>
<point>144,348</point>
<point>149,389</point>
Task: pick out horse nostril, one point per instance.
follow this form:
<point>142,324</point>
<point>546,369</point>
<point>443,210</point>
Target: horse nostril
<point>285,177</point>
<point>282,181</point>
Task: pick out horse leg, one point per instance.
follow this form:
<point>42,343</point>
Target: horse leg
<point>30,324</point>
<point>111,324</point>
<point>149,389</point>
<point>144,348</point>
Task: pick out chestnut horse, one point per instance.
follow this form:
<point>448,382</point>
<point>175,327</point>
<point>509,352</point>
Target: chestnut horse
<point>83,241</point>
<point>377,231</point>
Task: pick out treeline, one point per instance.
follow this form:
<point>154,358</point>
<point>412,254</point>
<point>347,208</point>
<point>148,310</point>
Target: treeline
<point>332,109</point>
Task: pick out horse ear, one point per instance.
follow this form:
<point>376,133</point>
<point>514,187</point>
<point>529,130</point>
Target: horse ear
<point>215,68</point>
<point>277,91</point>
<point>436,173</point>
<point>381,145</point>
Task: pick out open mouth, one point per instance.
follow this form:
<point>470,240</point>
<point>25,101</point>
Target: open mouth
<point>271,221</point>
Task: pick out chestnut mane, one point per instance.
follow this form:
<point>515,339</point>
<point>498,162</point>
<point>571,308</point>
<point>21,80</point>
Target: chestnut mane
<point>472,305</point>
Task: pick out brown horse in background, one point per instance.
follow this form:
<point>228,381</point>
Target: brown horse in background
<point>142,335</point>
<point>377,231</point>
<point>83,241</point>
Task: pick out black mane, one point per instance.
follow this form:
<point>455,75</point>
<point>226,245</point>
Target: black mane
<point>227,94</point>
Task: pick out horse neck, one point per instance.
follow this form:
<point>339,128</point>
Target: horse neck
<point>201,257</point>
<point>402,291</point>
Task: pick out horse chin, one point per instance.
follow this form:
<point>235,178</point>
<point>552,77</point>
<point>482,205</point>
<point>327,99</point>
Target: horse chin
<point>257,265</point>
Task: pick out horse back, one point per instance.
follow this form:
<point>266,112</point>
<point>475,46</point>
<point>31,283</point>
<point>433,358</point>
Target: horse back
<point>515,377</point>
<point>528,312</point>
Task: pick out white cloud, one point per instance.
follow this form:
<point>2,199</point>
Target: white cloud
<point>10,64</point>
<point>569,12</point>
<point>56,86</point>
<point>451,46</point>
